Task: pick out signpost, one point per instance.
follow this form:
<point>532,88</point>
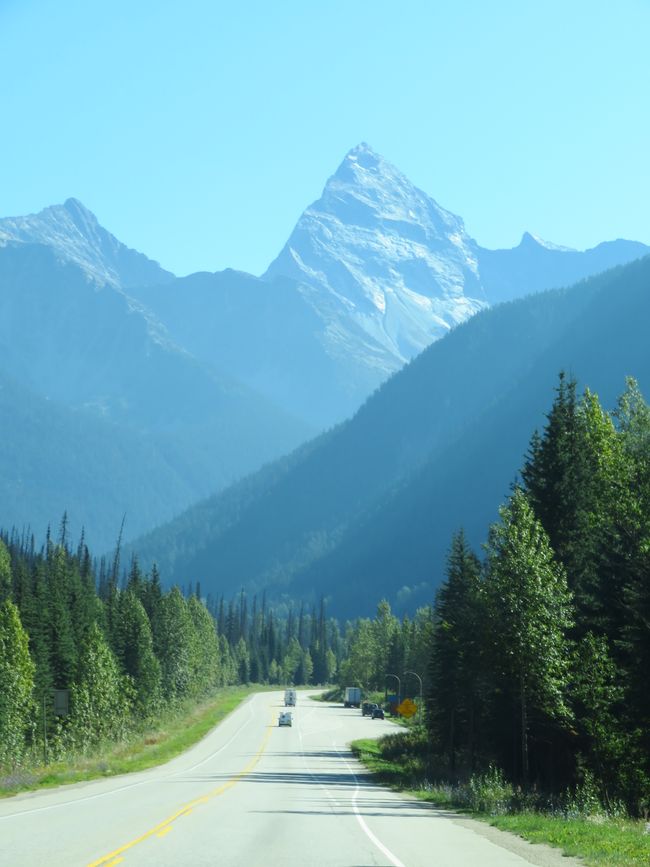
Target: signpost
<point>61,707</point>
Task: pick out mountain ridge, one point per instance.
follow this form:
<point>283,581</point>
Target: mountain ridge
<point>76,234</point>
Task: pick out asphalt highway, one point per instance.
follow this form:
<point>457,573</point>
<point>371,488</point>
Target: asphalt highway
<point>252,793</point>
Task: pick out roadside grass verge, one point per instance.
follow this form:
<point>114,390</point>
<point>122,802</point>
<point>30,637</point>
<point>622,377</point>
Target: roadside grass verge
<point>600,841</point>
<point>171,734</point>
<point>334,693</point>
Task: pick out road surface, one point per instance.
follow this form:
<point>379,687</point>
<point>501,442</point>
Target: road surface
<point>251,793</point>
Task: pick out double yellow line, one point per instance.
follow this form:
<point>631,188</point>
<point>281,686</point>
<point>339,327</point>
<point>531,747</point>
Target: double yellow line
<point>164,827</point>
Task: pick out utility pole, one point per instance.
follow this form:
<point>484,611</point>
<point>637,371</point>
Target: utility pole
<point>45,728</point>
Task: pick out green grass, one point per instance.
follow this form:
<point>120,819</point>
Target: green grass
<point>334,693</point>
<point>611,842</point>
<point>173,733</point>
<point>599,841</point>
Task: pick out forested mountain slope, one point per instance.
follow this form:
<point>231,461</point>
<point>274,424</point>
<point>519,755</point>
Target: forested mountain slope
<point>59,459</point>
<point>273,336</point>
<point>88,346</point>
<point>368,509</point>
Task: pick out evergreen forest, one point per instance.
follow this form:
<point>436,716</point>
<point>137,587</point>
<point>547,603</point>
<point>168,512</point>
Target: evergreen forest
<point>541,651</point>
<point>121,648</point>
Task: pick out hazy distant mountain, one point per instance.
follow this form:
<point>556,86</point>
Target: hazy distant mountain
<point>368,509</point>
<point>374,272</point>
<point>75,234</point>
<point>272,335</point>
<point>222,372</point>
<point>536,265</point>
<point>88,346</point>
<point>57,459</point>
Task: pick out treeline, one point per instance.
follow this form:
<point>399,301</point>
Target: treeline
<point>540,657</point>
<point>124,648</point>
<point>379,650</point>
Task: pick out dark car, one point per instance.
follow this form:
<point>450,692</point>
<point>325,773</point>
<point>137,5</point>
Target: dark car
<point>366,708</point>
<point>377,712</point>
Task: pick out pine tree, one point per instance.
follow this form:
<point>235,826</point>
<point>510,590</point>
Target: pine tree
<point>134,650</point>
<point>206,666</point>
<point>100,698</point>
<point>16,684</point>
<point>175,645</point>
<point>5,573</point>
<point>456,659</point>
<point>530,614</point>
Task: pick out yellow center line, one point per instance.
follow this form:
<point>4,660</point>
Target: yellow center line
<point>164,827</point>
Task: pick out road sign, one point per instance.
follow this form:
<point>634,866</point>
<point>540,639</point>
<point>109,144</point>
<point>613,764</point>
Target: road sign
<point>407,708</point>
<point>61,701</point>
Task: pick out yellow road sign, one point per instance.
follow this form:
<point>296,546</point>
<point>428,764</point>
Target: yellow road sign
<point>407,708</point>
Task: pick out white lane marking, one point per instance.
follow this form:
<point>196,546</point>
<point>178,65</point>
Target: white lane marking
<point>394,860</point>
<point>139,783</point>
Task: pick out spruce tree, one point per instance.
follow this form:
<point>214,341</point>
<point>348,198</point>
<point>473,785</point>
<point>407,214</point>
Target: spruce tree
<point>16,685</point>
<point>456,657</point>
<point>529,616</point>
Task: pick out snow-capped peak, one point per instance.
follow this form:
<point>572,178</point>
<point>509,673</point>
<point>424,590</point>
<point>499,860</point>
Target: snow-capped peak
<point>392,260</point>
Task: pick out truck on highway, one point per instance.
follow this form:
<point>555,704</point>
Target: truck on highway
<point>289,698</point>
<point>352,696</point>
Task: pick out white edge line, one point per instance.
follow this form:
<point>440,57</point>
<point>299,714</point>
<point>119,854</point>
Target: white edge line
<point>366,830</point>
<point>394,860</point>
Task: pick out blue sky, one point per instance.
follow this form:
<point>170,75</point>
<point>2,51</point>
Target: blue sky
<point>198,132</point>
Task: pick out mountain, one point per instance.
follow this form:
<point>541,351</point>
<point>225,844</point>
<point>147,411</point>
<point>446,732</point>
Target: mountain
<point>221,373</point>
<point>368,509</point>
<point>271,335</point>
<point>77,237</point>
<point>88,346</point>
<point>57,459</point>
<point>373,273</point>
<point>388,259</point>
<point>536,265</point>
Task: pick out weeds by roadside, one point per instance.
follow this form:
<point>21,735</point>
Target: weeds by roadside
<point>174,732</point>
<point>575,822</point>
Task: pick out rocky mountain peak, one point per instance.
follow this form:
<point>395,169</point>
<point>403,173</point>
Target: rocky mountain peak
<point>76,235</point>
<point>377,250</point>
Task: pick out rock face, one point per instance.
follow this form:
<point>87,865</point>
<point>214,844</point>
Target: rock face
<point>388,265</point>
<point>74,233</point>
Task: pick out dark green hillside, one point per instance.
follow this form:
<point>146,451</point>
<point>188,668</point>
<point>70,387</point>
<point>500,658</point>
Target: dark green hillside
<point>57,459</point>
<point>181,430</point>
<point>458,417</point>
<point>401,542</point>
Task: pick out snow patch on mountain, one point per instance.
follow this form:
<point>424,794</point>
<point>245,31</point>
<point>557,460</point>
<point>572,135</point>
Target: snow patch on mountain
<point>395,263</point>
